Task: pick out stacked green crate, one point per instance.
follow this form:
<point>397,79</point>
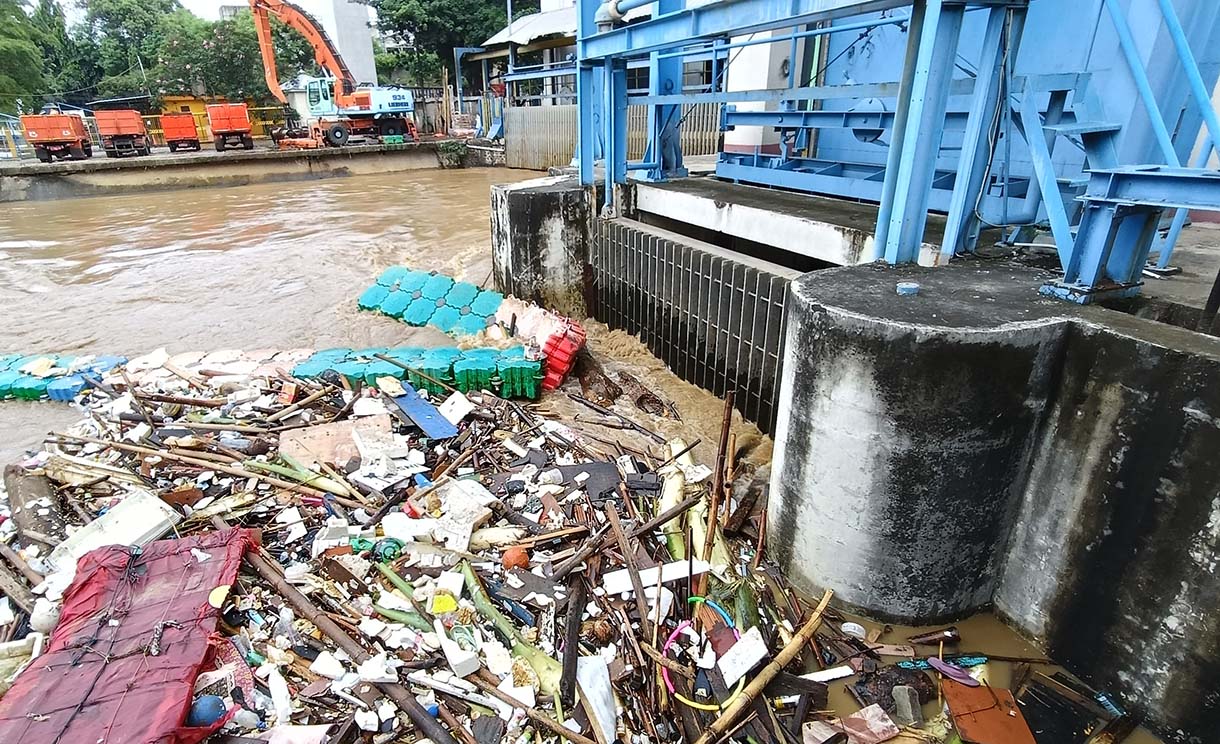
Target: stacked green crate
<point>519,377</point>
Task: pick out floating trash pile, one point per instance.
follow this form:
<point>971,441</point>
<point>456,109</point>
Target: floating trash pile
<point>305,547</point>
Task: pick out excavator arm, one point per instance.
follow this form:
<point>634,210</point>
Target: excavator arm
<point>324,50</point>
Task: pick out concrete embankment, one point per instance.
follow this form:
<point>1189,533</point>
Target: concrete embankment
<point>30,181</point>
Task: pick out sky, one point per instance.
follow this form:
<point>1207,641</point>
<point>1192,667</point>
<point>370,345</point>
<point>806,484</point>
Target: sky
<point>207,9</point>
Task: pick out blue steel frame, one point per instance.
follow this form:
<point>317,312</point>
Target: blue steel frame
<point>1103,253</point>
<point>1122,207</point>
<point>908,185</point>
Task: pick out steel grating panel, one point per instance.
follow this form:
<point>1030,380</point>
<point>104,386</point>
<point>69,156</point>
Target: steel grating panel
<point>715,318</point>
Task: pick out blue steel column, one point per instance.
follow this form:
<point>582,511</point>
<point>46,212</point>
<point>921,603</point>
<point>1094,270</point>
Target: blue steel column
<point>588,98</point>
<point>976,153</point>
<point>664,135</point>
<point>1202,96</point>
<point>615,112</point>
<point>925,96</point>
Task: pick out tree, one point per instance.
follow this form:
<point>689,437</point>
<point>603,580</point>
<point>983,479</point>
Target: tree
<point>437,26</point>
<point>406,66</point>
<point>20,58</point>
<point>70,58</point>
<point>130,34</point>
<point>224,59</point>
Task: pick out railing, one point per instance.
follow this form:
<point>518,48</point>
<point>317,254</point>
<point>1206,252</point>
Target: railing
<point>542,137</point>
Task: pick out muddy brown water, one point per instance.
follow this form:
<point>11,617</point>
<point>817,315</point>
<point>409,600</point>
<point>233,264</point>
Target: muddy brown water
<point>280,266</point>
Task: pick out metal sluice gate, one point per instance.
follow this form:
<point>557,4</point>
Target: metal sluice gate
<point>716,318</point>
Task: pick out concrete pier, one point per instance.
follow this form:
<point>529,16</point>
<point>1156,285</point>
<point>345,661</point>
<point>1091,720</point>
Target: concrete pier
<point>98,176</point>
<point>541,232</point>
<point>977,444</point>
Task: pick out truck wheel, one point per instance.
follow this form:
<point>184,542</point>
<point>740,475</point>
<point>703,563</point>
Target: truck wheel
<point>111,153</point>
<point>336,135</point>
<point>76,152</point>
<point>44,156</point>
<point>390,127</point>
<point>220,144</point>
<point>173,147</point>
<point>145,149</point>
<point>247,142</point>
<point>88,149</point>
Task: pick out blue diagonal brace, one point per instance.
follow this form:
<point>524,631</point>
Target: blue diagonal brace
<point>1044,171</point>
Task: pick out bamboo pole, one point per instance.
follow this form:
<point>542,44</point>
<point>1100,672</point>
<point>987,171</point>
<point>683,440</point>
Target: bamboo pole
<point>480,679</point>
<point>405,700</point>
<point>239,472</point>
<point>753,690</point>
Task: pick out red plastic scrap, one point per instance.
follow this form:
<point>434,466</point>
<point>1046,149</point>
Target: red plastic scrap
<point>560,350</point>
<point>135,629</point>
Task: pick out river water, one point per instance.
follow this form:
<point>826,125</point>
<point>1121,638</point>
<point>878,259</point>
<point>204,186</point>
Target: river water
<point>280,266</point>
<point>264,266</point>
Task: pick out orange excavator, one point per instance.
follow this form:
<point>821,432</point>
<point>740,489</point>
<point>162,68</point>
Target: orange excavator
<point>338,108</point>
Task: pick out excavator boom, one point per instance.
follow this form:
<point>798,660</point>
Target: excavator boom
<point>324,50</point>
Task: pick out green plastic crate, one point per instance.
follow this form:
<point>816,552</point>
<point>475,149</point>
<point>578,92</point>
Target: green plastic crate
<point>372,297</point>
<point>520,377</point>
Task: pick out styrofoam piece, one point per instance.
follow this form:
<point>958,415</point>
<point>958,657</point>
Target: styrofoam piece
<point>830,675</point>
<point>462,662</point>
<point>136,520</point>
<point>618,582</point>
<point>743,656</point>
<point>593,675</point>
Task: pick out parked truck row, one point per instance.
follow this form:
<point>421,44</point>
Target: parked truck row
<point>65,136</point>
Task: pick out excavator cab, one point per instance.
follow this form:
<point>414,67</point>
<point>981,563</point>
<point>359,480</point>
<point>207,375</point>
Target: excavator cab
<point>321,99</point>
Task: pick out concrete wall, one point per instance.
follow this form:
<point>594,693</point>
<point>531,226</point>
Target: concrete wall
<point>541,232</point>
<point>977,444</point>
<point>348,26</point>
<point>35,181</point>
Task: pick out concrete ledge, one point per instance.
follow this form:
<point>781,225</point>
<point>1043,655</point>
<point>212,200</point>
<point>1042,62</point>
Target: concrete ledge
<point>979,444</point>
<point>100,175</point>
<point>831,230</point>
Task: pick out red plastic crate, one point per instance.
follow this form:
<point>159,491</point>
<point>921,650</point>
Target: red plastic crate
<point>561,349</point>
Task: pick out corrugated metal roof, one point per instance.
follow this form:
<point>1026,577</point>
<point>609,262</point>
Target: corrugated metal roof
<point>560,22</point>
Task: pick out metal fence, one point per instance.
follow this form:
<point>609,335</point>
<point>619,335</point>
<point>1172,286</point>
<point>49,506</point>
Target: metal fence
<point>715,318</point>
<point>541,137</point>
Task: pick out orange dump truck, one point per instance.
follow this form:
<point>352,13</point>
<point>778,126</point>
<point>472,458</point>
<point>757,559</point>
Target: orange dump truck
<point>123,133</point>
<point>57,136</point>
<point>180,132</point>
<point>230,125</point>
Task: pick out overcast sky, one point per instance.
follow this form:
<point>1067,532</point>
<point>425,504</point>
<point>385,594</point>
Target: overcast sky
<point>209,9</point>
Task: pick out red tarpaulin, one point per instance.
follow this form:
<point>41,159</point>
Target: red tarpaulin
<point>135,630</point>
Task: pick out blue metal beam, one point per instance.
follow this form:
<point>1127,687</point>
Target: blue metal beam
<point>1156,186</point>
<point>953,121</point>
<point>976,155</point>
<point>1048,184</point>
<point>958,87</point>
<point>722,18</point>
<point>935,30</point>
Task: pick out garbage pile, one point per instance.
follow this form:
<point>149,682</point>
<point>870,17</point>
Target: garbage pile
<point>221,549</point>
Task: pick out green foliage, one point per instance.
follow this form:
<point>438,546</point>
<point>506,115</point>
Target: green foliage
<point>71,66</point>
<point>452,153</point>
<point>20,58</point>
<point>437,26</point>
<point>407,67</point>
<point>223,58</point>
<point>128,47</point>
